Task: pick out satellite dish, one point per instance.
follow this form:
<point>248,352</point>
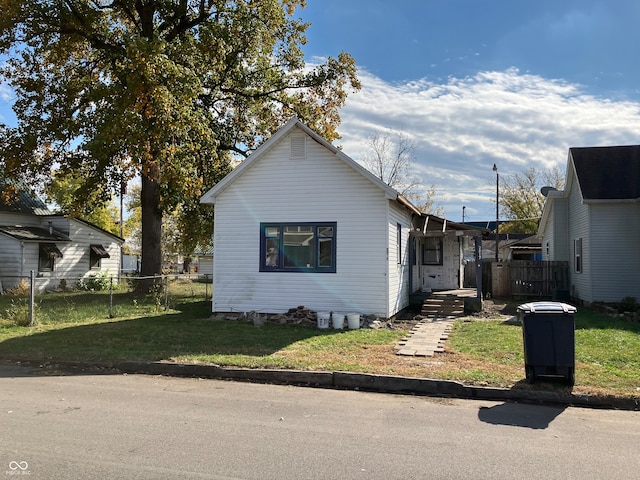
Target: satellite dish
<point>545,190</point>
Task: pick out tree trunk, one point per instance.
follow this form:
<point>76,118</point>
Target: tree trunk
<point>151,232</point>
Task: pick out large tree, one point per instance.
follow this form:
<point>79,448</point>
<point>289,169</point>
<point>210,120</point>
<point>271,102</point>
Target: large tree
<point>107,90</point>
<point>521,199</point>
<point>62,190</point>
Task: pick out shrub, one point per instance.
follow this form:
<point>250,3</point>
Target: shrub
<point>95,282</point>
<point>18,290</point>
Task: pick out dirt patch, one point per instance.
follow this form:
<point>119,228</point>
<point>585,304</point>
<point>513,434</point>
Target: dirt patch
<point>491,309</point>
<point>494,308</point>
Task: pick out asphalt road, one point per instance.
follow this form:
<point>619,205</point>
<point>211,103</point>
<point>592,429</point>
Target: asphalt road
<point>149,427</point>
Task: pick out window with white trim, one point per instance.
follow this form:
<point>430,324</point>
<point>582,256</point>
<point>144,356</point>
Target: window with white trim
<point>577,251</point>
<point>298,247</point>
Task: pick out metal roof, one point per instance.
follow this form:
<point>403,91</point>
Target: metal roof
<point>24,202</point>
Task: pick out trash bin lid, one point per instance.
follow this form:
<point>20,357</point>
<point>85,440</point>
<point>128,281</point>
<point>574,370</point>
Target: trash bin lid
<point>547,307</point>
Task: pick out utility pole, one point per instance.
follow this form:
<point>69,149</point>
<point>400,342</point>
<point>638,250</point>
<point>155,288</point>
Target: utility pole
<point>495,169</point>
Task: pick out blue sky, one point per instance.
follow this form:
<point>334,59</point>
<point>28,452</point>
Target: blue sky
<point>475,83</point>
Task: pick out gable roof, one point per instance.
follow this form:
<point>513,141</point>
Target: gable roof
<point>294,123</point>
<point>607,173</point>
<point>25,202</point>
<point>602,174</point>
<point>117,238</point>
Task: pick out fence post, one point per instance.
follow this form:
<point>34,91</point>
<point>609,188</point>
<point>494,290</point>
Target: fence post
<point>32,299</point>
<point>111,297</point>
<point>166,293</point>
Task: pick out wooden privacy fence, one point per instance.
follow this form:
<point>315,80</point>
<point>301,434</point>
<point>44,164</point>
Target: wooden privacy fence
<point>523,278</point>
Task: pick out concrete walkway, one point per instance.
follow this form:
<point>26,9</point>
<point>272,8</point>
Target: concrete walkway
<point>425,339</point>
<point>440,310</point>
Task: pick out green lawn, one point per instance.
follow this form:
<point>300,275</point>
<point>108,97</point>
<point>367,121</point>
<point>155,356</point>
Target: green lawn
<point>607,350</point>
<point>77,327</point>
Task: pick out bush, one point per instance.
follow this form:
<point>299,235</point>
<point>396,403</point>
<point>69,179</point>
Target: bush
<point>95,282</point>
<point>19,290</point>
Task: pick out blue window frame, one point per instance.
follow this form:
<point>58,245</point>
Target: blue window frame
<point>298,247</point>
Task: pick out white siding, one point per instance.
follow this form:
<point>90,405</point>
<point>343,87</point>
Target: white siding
<point>10,261</point>
<point>555,242</point>
<point>19,258</point>
<point>74,263</point>
<point>398,271</point>
<point>579,228</point>
<point>562,248</point>
<point>446,276</point>
<point>547,241</point>
<point>614,257</point>
<point>205,266</point>
<point>318,188</point>
<point>9,218</point>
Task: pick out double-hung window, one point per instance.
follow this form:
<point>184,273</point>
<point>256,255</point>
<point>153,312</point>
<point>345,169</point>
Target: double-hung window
<point>432,251</point>
<point>577,251</point>
<point>298,247</point>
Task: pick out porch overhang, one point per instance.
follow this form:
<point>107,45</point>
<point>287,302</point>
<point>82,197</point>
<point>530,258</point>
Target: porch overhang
<point>432,226</point>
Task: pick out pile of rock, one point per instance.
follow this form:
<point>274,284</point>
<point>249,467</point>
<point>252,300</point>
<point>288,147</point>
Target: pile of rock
<point>299,315</point>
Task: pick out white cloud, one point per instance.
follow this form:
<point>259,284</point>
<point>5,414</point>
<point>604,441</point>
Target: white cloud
<point>6,94</point>
<point>464,126</point>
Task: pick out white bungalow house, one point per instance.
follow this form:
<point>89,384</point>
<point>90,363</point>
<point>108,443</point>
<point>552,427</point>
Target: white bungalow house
<point>53,246</point>
<point>594,223</point>
<point>300,223</point>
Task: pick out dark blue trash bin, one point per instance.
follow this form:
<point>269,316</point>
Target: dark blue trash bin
<point>548,334</point>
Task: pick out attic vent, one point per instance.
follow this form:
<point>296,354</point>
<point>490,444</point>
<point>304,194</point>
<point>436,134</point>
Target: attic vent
<point>298,146</point>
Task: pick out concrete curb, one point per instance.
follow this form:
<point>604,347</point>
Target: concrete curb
<point>376,383</point>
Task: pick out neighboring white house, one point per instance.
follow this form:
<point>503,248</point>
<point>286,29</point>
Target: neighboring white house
<point>205,262</point>
<point>300,223</point>
<point>55,247</point>
<point>594,223</point>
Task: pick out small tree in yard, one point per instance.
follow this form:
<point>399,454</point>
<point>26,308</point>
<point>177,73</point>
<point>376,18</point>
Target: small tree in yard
<point>109,90</point>
<point>521,200</point>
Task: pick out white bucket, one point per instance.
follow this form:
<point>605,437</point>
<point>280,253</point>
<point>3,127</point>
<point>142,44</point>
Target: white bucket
<point>323,319</point>
<point>338,320</point>
<point>353,320</point>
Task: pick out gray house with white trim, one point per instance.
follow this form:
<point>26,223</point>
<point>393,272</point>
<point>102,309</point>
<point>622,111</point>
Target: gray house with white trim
<point>594,223</point>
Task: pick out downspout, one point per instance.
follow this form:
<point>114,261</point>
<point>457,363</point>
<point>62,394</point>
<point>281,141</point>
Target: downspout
<point>21,259</point>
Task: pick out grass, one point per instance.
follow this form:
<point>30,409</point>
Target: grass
<point>77,327</point>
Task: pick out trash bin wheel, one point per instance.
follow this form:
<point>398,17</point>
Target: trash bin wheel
<point>530,374</point>
<point>571,377</point>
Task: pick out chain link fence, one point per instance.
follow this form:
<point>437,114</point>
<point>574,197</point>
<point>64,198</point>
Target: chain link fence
<point>27,301</point>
